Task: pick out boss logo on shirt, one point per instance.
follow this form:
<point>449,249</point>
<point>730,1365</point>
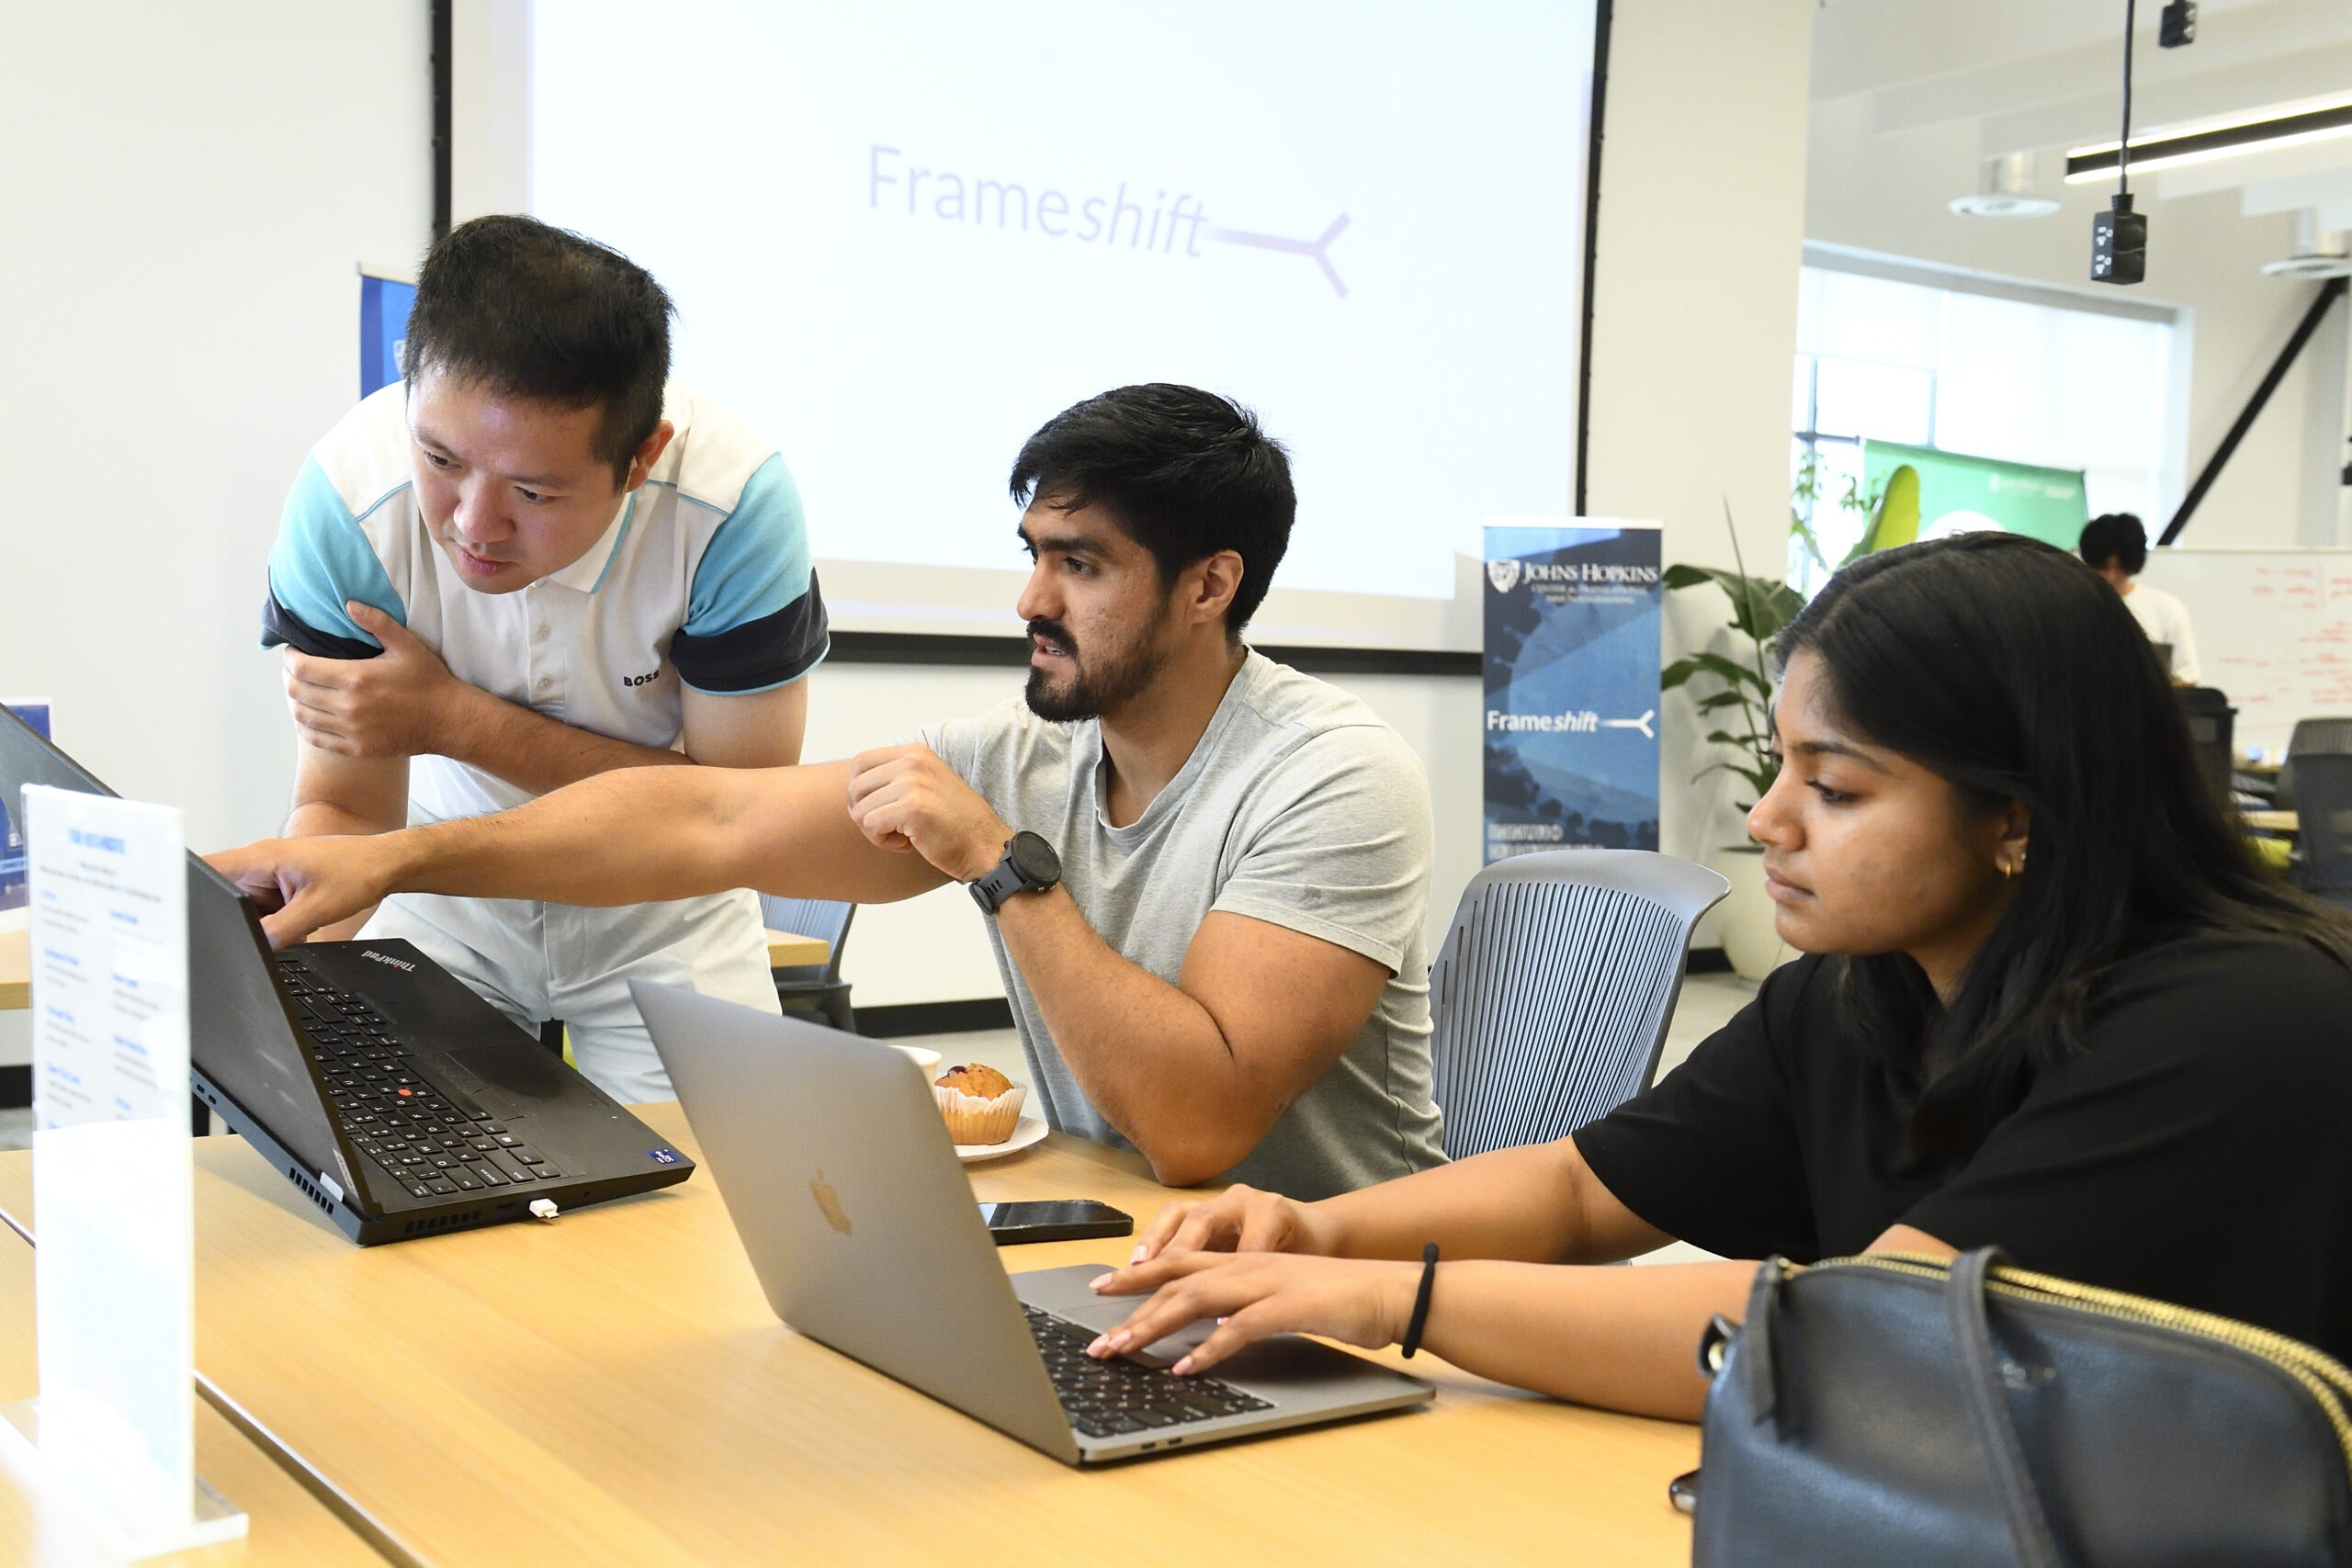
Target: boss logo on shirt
<point>640,680</point>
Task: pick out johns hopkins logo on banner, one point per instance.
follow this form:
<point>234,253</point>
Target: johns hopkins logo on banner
<point>1573,612</point>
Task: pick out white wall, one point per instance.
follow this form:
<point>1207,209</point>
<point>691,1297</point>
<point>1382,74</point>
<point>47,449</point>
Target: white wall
<point>1701,237</point>
<point>1888,193</point>
<point>190,188</point>
<point>190,191</point>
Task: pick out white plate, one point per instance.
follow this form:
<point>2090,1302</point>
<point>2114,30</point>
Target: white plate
<point>1026,1131</point>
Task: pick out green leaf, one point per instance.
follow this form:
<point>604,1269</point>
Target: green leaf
<point>1686,576</point>
<point>1733,672</point>
<point>1722,700</point>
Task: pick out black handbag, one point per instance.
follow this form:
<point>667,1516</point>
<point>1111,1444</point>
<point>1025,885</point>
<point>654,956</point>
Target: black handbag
<point>1893,1409</point>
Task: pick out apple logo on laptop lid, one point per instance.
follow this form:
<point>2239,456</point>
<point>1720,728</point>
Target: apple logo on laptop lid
<point>830,1203</point>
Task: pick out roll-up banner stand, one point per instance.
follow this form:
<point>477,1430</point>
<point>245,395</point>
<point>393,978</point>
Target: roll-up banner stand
<point>1574,607</point>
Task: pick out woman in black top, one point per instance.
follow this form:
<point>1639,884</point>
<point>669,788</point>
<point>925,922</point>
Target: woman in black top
<point>2051,1004</point>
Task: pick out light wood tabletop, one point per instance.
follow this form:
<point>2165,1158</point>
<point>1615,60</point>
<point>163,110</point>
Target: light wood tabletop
<point>612,1388</point>
<point>15,968</point>
<point>2272,822</point>
<point>789,950</point>
<point>786,949</point>
<point>289,1528</point>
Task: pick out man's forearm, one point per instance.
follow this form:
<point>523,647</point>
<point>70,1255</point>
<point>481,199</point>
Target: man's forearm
<point>322,818</point>
<point>627,836</point>
<point>1151,1058</point>
<point>535,752</point>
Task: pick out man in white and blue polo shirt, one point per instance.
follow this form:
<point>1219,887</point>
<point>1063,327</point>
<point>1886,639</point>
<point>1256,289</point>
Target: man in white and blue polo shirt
<point>533,559</point>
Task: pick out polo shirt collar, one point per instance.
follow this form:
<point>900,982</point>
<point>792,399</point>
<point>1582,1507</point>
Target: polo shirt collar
<point>582,575</point>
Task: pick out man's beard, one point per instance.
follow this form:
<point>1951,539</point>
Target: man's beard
<point>1103,687</point>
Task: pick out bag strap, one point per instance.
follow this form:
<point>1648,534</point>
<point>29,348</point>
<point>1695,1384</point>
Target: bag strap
<point>1988,1406</point>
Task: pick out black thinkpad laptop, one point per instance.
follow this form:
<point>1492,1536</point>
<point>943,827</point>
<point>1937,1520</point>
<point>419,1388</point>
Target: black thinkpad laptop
<point>395,1099</point>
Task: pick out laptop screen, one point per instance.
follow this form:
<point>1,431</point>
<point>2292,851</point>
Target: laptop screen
<point>238,1035</point>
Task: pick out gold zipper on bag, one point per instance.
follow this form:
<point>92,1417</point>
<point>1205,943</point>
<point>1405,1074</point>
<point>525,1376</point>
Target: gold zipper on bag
<point>2320,1375</point>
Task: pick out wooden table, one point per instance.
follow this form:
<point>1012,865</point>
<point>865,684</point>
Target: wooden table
<point>289,1527</point>
<point>785,949</point>
<point>15,969</point>
<point>2272,822</point>
<point>612,1388</point>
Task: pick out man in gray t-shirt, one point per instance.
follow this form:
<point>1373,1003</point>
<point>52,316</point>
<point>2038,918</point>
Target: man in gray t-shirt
<point>1205,874</point>
<point>1297,809</point>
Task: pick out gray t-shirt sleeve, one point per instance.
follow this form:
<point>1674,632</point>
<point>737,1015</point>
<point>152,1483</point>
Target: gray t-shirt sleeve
<point>958,743</point>
<point>1335,842</point>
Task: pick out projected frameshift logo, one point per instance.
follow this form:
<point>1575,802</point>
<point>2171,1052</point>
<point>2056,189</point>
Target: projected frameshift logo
<point>895,184</point>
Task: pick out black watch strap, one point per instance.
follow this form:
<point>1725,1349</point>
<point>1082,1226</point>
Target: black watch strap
<point>1030,865</point>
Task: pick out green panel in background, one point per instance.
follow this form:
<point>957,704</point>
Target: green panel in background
<point>1958,493</point>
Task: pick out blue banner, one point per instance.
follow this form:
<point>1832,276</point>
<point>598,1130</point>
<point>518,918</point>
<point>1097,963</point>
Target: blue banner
<point>12,838</point>
<point>1573,619</point>
<point>383,325</point>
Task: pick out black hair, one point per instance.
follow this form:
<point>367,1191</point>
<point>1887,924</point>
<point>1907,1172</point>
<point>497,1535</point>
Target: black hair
<point>537,311</point>
<point>2116,537</point>
<point>1185,472</point>
<point>2009,670</point>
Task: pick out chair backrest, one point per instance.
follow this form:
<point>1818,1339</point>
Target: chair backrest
<point>822,918</point>
<point>2324,824</point>
<point>2313,737</point>
<point>1552,991</point>
<point>2211,726</point>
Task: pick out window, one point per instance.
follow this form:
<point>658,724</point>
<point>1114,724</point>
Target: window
<point>1889,352</point>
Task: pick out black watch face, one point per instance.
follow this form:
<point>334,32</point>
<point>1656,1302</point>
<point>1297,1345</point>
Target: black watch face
<point>1035,859</point>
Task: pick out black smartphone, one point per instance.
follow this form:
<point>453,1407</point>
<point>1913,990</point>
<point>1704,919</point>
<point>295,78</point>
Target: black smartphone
<point>1064,1219</point>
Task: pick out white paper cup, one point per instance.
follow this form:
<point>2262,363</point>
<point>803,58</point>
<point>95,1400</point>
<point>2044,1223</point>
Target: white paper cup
<point>971,1120</point>
<point>927,1060</point>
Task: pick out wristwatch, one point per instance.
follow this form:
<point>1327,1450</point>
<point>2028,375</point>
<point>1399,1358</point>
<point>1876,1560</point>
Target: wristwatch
<point>1030,865</point>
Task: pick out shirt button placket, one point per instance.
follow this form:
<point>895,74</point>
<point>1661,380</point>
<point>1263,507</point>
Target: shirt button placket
<point>542,674</point>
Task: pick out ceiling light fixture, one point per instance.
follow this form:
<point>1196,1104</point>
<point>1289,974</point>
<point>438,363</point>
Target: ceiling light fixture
<point>2317,253</point>
<point>2007,192</point>
<point>2202,144</point>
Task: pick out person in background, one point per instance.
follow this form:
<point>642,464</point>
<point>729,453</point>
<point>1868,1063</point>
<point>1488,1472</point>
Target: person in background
<point>2049,1005</point>
<point>2116,546</point>
<point>533,559</point>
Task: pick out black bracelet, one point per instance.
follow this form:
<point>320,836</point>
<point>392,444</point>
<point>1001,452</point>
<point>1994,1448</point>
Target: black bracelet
<point>1422,1301</point>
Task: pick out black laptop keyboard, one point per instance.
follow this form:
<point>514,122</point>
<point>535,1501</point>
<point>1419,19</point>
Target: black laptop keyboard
<point>436,1143</point>
<point>1110,1398</point>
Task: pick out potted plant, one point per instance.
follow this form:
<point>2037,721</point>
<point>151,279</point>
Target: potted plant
<point>1741,702</point>
<point>1735,694</point>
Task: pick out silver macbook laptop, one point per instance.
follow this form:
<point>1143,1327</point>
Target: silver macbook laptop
<point>838,1173</point>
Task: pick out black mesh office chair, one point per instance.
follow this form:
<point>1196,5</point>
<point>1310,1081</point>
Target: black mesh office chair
<point>2313,737</point>
<point>2211,721</point>
<point>815,989</point>
<point>2324,837</point>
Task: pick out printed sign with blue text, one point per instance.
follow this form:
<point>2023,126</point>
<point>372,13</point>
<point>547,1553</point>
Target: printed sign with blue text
<point>1573,609</point>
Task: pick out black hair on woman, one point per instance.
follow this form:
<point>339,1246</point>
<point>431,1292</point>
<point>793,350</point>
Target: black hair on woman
<point>2011,671</point>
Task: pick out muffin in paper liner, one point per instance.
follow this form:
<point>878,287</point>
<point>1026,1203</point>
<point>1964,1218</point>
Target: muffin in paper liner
<point>971,1120</point>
